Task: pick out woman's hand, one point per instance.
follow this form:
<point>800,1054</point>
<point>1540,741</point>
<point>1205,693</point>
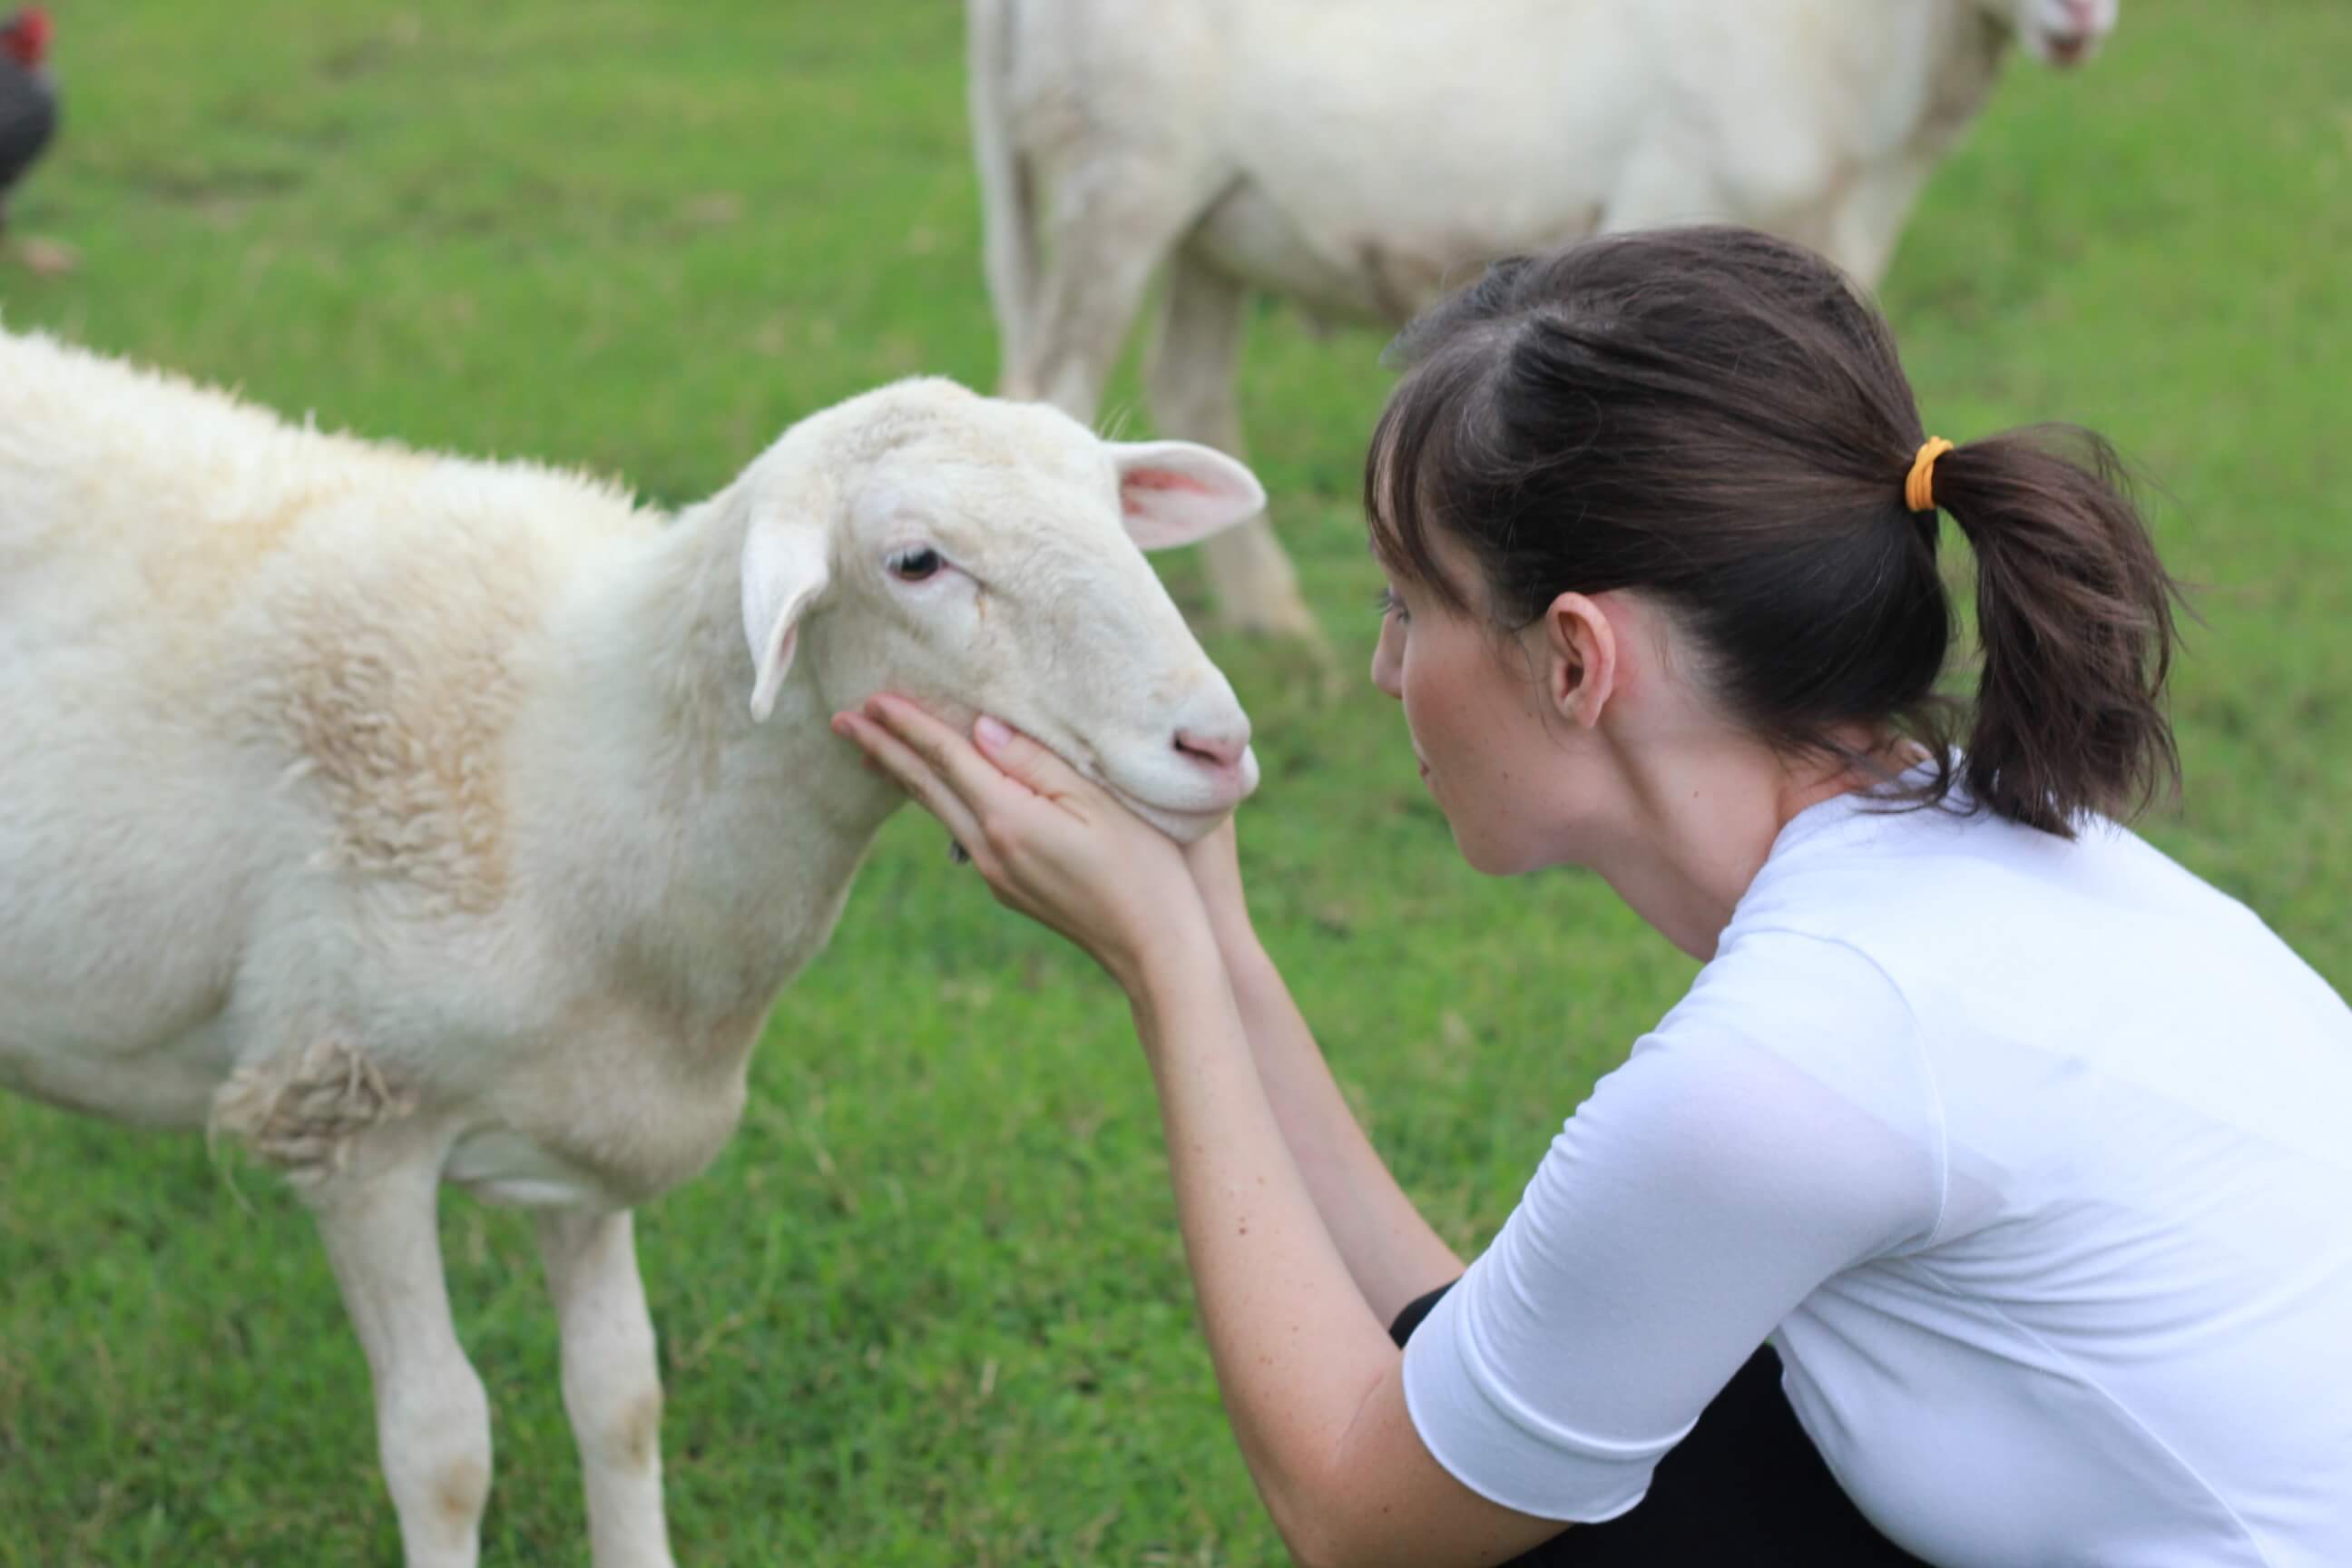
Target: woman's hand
<point>1051,845</point>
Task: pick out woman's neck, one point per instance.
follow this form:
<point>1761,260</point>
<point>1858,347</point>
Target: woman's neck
<point>1701,826</point>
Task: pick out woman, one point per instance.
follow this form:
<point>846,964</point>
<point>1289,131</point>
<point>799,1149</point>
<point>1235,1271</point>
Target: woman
<point>2022,1147</point>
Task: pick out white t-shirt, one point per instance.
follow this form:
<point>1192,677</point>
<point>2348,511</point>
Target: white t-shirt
<point>2032,1159</point>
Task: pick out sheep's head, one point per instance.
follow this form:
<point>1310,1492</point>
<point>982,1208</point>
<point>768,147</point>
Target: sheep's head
<point>986,556</point>
<point>2058,32</point>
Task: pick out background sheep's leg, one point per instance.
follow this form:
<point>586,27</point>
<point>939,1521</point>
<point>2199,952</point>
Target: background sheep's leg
<point>433,1423</point>
<point>1866,220</point>
<point>1190,376</point>
<point>612,1387</point>
<point>1109,228</point>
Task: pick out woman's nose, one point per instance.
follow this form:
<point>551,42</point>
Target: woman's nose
<point>1387,668</point>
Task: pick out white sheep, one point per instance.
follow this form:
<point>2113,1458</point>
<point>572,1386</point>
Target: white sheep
<point>420,820</point>
<point>1361,158</point>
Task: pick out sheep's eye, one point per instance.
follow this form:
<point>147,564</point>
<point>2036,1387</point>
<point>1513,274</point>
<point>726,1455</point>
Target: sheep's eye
<point>914,566</point>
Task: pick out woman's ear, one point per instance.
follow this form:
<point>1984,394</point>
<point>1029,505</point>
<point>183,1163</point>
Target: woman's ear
<point>1581,649</point>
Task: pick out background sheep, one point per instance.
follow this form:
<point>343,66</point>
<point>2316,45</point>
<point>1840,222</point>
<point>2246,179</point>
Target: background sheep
<point>1357,158</point>
<point>418,819</point>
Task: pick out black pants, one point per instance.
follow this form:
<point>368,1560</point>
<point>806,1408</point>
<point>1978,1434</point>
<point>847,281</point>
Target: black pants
<point>1746,1489</point>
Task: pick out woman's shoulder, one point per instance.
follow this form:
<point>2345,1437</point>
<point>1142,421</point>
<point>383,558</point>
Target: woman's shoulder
<point>2009,949</point>
<point>1808,999</point>
<point>1931,885</point>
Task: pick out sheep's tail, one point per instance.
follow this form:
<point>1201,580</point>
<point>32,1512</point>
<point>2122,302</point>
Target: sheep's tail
<point>1007,200</point>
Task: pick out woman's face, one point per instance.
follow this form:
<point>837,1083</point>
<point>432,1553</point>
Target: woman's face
<point>1497,759</point>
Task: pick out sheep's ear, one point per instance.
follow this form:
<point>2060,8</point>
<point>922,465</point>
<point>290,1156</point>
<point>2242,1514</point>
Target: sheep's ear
<point>1174,493</point>
<point>784,567</point>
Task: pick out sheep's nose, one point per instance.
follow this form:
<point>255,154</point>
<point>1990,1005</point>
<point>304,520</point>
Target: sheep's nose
<point>2080,26</point>
<point>1219,748</point>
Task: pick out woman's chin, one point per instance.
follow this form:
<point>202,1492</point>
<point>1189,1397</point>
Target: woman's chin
<point>1502,857</point>
<point>1482,856</point>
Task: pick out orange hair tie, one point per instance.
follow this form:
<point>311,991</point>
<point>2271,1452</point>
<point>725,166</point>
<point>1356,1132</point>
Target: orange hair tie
<point>1919,490</point>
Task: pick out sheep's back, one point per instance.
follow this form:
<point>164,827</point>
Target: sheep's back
<point>135,502</point>
<point>247,663</point>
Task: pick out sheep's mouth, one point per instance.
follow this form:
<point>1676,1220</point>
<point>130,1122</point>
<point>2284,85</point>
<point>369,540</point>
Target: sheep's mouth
<point>1203,815</point>
<point>1182,822</point>
<point>2068,49</point>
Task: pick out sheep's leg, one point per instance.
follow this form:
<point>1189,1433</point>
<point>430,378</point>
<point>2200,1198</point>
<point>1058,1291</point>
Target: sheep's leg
<point>612,1388</point>
<point>1190,378</point>
<point>433,1423</point>
<point>1109,227</point>
<point>1865,222</point>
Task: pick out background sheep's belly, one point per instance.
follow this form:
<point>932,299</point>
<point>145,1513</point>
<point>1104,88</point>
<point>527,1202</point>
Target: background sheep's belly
<point>1249,235</point>
<point>1375,265</point>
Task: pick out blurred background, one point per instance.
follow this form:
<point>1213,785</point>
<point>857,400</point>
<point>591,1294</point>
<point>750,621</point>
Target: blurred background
<point>929,1304</point>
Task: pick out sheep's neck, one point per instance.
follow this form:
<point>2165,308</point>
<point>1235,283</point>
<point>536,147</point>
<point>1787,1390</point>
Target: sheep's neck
<point>741,836</point>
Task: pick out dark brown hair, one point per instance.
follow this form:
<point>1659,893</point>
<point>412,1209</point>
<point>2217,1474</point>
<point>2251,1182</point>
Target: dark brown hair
<point>1717,418</point>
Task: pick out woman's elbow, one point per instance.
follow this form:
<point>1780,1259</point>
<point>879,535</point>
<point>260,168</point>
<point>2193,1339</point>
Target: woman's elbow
<point>1305,1516</point>
<point>1311,1545</point>
<point>1321,1528</point>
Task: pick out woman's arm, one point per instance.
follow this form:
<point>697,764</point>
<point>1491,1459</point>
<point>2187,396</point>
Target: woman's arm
<point>1389,1249</point>
<point>1311,1383</point>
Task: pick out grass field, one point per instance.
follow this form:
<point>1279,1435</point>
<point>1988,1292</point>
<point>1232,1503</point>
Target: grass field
<point>929,1306</point>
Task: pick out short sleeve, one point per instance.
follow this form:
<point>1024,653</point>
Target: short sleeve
<point>1780,1126</point>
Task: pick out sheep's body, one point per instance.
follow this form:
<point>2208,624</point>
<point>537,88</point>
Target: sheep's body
<point>418,819</point>
<point>277,748</point>
<point>1360,159</point>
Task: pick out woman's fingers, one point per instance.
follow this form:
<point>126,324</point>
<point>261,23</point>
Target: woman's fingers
<point>980,783</point>
<point>914,773</point>
<point>1024,760</point>
<point>1102,877</point>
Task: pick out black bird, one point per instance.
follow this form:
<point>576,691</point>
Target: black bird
<point>28,115</point>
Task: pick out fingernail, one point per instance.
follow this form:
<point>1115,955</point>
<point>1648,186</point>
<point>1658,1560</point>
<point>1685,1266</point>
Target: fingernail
<point>841,723</point>
<point>990,732</point>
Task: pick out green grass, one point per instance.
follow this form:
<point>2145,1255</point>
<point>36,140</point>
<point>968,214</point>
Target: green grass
<point>929,1307</point>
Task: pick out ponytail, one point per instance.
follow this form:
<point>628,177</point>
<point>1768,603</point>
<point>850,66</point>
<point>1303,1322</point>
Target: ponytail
<point>2074,619</point>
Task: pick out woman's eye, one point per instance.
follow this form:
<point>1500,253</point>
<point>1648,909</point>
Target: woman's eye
<point>914,566</point>
<point>1388,604</point>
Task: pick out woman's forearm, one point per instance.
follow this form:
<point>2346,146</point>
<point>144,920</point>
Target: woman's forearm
<point>1297,1348</point>
<point>1389,1249</point>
